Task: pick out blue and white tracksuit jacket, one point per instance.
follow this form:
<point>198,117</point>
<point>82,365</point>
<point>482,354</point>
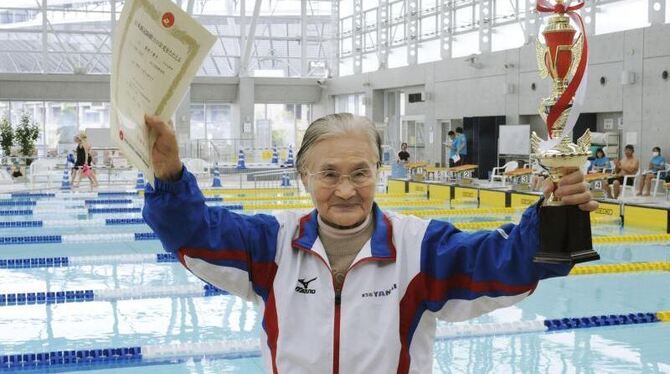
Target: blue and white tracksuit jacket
<point>409,273</point>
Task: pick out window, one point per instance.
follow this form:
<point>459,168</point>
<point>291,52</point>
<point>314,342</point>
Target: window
<point>620,16</point>
<point>218,120</point>
<point>198,121</point>
<point>211,120</point>
<point>428,27</point>
<point>35,109</point>
<point>397,57</point>
<point>281,125</point>
<point>346,66</point>
<point>4,109</point>
<point>507,37</point>
<point>61,125</point>
<point>429,51</point>
<point>93,115</point>
<point>465,44</point>
<point>370,62</point>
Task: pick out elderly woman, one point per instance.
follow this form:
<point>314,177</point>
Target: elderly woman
<point>348,287</point>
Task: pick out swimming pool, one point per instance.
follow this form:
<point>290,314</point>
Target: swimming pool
<point>137,284</point>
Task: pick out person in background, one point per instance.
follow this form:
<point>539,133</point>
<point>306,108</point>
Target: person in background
<point>83,161</point>
<point>462,145</point>
<point>628,165</point>
<point>70,164</point>
<point>16,171</point>
<point>600,162</point>
<point>656,164</point>
<point>403,155</point>
<point>452,148</point>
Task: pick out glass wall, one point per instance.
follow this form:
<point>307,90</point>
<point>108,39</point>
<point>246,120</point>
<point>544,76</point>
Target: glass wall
<point>218,119</point>
<point>4,109</point>
<point>619,16</point>
<point>62,125</point>
<point>507,23</point>
<point>93,115</point>
<point>291,36</point>
<point>58,122</point>
<point>198,128</point>
<point>211,120</point>
<point>14,110</point>
<point>354,103</point>
<point>281,125</point>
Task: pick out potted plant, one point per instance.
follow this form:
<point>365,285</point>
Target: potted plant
<point>26,134</point>
<point>6,136</point>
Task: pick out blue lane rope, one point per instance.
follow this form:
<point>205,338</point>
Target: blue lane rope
<point>40,262</point>
<point>604,320</point>
<point>12,224</point>
<point>114,210</point>
<point>33,194</point>
<point>18,203</point>
<point>148,354</point>
<point>27,212</point>
<point>77,238</point>
<point>119,201</point>
<point>119,193</point>
<point>145,236</point>
<point>124,356</point>
<point>78,296</point>
<point>34,239</point>
<point>55,262</point>
<point>107,201</point>
<point>41,223</point>
<point>124,221</point>
<point>138,209</point>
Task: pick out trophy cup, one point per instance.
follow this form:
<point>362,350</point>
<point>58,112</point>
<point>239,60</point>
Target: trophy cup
<point>565,231</point>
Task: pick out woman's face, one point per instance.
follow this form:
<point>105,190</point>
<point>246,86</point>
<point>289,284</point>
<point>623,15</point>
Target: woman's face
<point>77,140</point>
<point>343,204</point>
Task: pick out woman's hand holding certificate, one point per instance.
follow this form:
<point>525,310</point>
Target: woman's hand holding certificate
<point>157,50</point>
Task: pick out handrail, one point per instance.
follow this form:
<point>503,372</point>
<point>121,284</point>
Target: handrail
<point>272,172</point>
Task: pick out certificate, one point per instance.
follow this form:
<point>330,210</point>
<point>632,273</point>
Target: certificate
<point>157,50</point>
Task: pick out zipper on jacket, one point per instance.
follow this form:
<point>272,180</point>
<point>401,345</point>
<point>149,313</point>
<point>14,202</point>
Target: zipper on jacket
<point>336,336</point>
<point>338,302</point>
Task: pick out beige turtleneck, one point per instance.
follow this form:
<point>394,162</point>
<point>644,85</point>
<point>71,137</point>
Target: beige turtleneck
<point>342,246</point>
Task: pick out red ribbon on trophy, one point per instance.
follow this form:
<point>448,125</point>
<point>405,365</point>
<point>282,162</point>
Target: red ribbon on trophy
<point>543,6</point>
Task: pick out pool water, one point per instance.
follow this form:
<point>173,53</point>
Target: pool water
<point>143,321</point>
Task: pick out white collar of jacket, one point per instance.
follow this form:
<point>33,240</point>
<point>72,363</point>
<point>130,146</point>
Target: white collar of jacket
<point>381,243</point>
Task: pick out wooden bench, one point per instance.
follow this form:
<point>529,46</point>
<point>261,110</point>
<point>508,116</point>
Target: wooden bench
<point>434,171</point>
<point>463,171</point>
<point>596,181</point>
<point>519,175</point>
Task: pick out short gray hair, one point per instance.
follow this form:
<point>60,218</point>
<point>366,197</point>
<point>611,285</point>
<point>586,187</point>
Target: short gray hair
<point>337,124</point>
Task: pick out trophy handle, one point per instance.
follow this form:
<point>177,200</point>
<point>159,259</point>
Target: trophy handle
<point>540,54</point>
<point>577,54</point>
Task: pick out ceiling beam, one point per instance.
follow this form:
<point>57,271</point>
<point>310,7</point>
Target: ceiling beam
<point>244,60</point>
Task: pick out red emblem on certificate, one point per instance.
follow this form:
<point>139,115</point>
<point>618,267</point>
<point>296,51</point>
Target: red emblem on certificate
<point>168,20</point>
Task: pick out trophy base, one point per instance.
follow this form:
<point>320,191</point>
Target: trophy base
<point>566,258</point>
<point>565,236</point>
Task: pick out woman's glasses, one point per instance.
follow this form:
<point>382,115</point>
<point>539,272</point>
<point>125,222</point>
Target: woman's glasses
<point>358,178</point>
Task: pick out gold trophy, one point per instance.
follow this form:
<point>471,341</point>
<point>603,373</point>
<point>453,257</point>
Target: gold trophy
<point>565,231</point>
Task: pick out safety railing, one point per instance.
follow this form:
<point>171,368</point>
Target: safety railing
<point>275,178</point>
